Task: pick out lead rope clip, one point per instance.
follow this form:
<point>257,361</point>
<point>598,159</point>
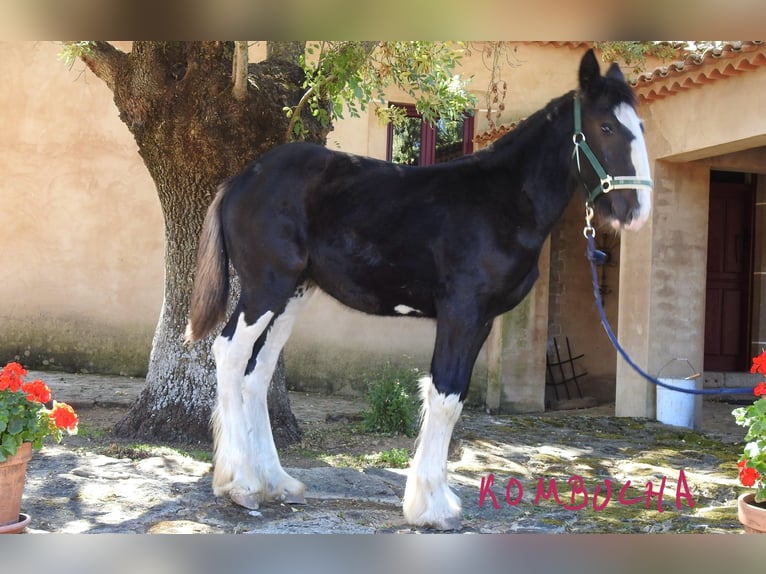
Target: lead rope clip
<point>588,231</point>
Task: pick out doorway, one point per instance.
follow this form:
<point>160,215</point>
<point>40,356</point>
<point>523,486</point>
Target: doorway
<point>729,271</point>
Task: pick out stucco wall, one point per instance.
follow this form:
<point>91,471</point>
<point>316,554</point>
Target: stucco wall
<point>721,118</point>
<point>572,309</point>
<point>663,272</point>
<point>82,240</point>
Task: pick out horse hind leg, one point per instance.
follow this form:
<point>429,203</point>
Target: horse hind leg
<point>232,351</point>
<point>275,483</point>
<point>247,468</point>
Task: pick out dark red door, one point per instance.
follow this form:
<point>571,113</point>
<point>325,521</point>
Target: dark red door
<point>727,306</point>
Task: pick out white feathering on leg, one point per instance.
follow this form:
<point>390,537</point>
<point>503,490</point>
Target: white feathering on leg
<point>264,460</point>
<point>229,430</point>
<point>428,500</point>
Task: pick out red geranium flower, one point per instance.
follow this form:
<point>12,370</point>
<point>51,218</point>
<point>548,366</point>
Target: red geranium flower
<point>747,475</point>
<point>760,389</point>
<point>24,416</point>
<point>37,391</point>
<point>64,416</point>
<point>759,364</point>
<point>12,377</point>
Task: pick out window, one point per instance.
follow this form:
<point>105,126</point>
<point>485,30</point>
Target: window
<point>419,143</point>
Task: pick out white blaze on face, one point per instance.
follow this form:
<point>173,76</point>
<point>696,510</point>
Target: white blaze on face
<point>627,116</point>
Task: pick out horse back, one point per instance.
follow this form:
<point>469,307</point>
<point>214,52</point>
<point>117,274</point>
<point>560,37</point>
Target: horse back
<point>380,237</point>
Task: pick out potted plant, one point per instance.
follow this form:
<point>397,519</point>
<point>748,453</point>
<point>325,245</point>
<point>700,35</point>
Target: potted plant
<point>27,416</point>
<point>751,507</point>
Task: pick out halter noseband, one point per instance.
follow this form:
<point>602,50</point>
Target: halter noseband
<point>607,183</point>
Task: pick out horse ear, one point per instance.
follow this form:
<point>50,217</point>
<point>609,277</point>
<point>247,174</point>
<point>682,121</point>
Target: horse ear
<point>590,72</point>
<point>615,72</point>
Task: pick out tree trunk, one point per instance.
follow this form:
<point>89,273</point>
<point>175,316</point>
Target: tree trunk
<point>192,133</point>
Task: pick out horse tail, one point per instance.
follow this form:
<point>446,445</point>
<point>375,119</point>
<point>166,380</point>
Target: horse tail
<point>210,293</point>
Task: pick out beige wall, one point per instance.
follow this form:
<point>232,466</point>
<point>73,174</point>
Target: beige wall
<point>572,311</point>
<point>663,272</point>
<point>82,240</point>
<point>721,118</point>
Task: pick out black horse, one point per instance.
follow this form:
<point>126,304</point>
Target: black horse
<point>457,242</point>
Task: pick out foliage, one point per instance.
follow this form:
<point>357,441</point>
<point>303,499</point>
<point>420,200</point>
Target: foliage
<point>496,55</point>
<point>752,462</point>
<point>394,401</point>
<point>634,53</point>
<point>405,147</point>
<point>351,75</point>
<point>394,458</point>
<point>72,51</point>
<point>24,416</point>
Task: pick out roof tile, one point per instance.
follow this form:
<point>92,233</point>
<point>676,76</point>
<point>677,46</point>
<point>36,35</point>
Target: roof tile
<point>695,70</point>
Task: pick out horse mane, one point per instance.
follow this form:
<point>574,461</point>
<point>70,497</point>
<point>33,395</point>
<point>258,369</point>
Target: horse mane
<point>610,91</point>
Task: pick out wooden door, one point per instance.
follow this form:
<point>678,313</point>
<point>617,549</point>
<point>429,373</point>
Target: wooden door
<point>729,276</point>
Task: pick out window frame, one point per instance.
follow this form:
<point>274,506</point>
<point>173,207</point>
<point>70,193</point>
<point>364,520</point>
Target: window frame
<point>428,135</point>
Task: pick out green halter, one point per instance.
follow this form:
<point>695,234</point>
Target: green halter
<point>607,183</point>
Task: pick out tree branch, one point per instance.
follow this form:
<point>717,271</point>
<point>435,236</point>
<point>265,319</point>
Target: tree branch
<point>239,71</point>
<point>104,60</point>
<point>298,110</point>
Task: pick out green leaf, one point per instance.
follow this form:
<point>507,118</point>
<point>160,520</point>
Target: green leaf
<point>15,426</point>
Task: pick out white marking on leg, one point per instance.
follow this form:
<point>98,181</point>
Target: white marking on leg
<point>267,472</point>
<point>229,431</point>
<point>428,500</point>
<point>627,116</point>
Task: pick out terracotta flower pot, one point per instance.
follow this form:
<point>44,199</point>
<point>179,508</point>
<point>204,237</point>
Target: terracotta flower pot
<point>13,472</point>
<point>752,516</point>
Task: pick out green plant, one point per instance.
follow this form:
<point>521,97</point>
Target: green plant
<point>394,401</point>
<point>24,416</point>
<point>752,462</point>
<point>394,458</point>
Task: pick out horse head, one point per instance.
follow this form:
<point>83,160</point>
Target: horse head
<point>610,151</point>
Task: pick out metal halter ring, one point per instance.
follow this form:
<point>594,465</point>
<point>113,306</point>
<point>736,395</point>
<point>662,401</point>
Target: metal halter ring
<point>588,231</point>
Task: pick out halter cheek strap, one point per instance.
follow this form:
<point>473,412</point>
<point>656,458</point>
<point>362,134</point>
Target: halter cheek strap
<point>607,183</point>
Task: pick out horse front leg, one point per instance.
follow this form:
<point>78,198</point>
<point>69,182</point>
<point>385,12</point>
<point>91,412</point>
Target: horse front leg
<point>428,499</point>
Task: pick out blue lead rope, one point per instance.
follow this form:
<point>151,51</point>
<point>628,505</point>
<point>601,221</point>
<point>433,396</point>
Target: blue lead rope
<point>597,257</point>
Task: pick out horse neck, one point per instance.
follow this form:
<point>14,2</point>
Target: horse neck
<point>536,161</point>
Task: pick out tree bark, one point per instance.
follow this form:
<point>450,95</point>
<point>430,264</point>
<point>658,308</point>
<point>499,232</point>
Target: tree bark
<point>193,133</point>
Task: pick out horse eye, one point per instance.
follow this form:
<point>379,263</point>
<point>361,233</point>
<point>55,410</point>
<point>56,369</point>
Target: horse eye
<point>607,129</point>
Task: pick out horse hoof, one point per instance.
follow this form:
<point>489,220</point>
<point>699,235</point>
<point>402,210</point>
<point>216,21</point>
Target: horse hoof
<point>245,498</point>
<point>293,498</point>
<point>453,523</point>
